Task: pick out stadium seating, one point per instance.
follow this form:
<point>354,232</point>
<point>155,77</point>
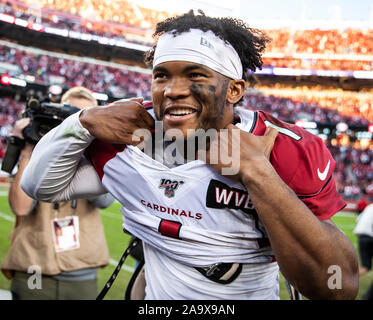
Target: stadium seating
<point>10,110</point>
<point>96,77</point>
<point>317,64</point>
<point>321,105</point>
<point>333,41</point>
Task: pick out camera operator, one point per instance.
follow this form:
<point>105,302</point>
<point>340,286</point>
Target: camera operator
<point>64,241</point>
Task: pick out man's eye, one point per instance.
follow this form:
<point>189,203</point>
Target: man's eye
<point>197,75</point>
<point>159,76</point>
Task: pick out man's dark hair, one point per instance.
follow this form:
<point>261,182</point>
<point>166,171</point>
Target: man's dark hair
<point>248,42</point>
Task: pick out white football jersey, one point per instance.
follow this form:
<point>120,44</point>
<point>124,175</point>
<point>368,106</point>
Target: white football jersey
<point>188,216</point>
<point>185,209</point>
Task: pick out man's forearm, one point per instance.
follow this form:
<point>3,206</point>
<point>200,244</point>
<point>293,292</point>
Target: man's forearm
<point>19,201</point>
<point>304,246</point>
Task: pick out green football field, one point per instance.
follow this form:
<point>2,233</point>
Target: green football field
<point>118,241</point>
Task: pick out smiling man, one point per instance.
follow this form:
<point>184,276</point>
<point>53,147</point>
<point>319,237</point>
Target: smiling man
<point>201,109</point>
<point>207,235</point>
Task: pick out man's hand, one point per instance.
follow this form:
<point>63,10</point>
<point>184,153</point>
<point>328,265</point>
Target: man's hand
<point>18,132</point>
<point>240,152</point>
<point>19,126</point>
<point>117,122</point>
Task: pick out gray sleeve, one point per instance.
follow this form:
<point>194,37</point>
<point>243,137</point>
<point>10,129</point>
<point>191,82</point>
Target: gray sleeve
<point>57,170</point>
<point>103,201</point>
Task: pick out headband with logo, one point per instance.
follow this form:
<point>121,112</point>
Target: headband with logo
<point>200,47</point>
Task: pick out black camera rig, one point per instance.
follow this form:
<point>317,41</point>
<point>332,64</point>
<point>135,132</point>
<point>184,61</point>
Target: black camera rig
<point>44,116</point>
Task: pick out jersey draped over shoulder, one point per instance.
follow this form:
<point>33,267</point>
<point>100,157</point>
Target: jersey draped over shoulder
<point>304,163</point>
<point>99,153</point>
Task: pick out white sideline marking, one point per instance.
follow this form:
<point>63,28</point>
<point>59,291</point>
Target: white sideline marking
<point>345,214</point>
<point>7,217</point>
<point>114,263</point>
<point>347,226</point>
<point>112,214</point>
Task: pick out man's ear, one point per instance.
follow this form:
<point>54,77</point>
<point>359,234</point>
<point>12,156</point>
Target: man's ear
<point>236,90</point>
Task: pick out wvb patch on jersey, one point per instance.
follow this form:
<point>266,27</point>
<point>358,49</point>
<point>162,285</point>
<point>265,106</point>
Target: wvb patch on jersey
<point>220,196</point>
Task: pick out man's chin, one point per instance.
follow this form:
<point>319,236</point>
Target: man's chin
<point>173,133</point>
<point>179,128</point>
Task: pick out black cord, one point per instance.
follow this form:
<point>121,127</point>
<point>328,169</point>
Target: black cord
<point>111,280</point>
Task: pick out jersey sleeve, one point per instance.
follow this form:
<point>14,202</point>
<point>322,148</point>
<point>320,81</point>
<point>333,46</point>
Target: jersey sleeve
<point>100,152</point>
<point>326,203</point>
<point>305,164</point>
<point>311,176</point>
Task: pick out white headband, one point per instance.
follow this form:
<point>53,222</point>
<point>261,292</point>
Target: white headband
<point>201,47</point>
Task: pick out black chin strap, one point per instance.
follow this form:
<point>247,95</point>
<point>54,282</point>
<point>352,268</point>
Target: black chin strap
<point>293,293</point>
<point>110,282</point>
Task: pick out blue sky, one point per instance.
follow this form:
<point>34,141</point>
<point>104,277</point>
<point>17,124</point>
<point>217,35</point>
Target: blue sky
<point>274,9</point>
<point>309,9</point>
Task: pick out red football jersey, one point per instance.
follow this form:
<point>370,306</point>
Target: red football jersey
<point>304,163</point>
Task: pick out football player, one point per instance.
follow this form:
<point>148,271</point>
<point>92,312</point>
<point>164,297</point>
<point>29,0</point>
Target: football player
<point>207,235</point>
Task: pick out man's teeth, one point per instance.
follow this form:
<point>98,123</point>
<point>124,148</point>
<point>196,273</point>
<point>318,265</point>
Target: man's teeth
<point>180,112</point>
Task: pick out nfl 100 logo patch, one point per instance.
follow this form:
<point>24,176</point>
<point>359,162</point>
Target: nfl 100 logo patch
<point>170,186</point>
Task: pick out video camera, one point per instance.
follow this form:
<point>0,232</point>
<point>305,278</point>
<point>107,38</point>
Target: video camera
<point>44,116</point>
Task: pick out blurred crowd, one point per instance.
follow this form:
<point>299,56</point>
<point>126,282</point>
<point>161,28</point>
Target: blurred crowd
<point>353,172</point>
<point>333,41</point>
<point>317,104</point>
<point>318,41</point>
<point>47,69</point>
<point>10,111</point>
<point>118,11</point>
<point>318,64</point>
<point>100,18</point>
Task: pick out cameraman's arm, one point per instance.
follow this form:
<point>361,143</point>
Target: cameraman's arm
<point>57,170</point>
<point>103,201</point>
<point>19,201</point>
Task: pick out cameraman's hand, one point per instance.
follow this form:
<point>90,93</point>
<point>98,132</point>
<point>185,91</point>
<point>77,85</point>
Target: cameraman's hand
<point>18,132</point>
<point>117,122</point>
<point>19,126</point>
